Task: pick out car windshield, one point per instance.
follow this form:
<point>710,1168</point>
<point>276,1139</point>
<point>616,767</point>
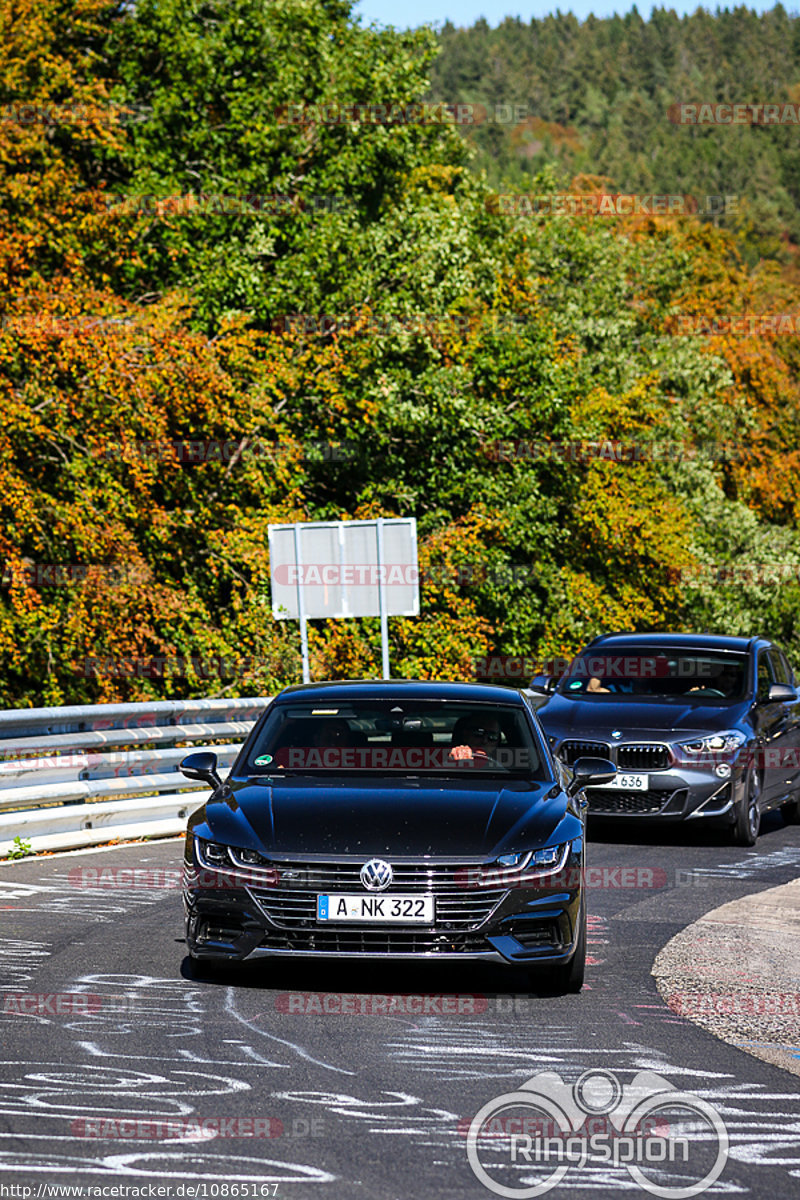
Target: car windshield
<point>408,736</point>
<point>634,671</point>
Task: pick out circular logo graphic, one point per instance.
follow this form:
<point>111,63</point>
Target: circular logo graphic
<point>597,1091</point>
<point>522,1144</point>
<point>376,875</point>
<point>492,1126</point>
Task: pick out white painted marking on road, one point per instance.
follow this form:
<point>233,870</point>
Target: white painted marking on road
<point>300,1051</point>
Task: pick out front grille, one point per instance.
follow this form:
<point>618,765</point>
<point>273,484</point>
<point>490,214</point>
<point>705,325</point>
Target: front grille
<point>571,751</point>
<point>643,757</point>
<point>342,940</point>
<point>346,876</point>
<point>297,908</point>
<point>608,800</point>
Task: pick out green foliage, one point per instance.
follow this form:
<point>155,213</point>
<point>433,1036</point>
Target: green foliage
<point>596,96</point>
<point>414,325</point>
<point>19,848</point>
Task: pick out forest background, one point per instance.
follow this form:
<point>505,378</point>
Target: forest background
<point>261,264</point>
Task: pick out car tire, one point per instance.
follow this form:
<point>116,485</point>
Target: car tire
<point>570,976</point>
<point>747,812</point>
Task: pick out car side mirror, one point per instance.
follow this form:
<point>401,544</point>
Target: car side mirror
<point>587,771</point>
<point>543,684</point>
<point>781,692</point>
<point>202,765</point>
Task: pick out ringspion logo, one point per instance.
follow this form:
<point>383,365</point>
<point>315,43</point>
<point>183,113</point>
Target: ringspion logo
<point>524,1143</point>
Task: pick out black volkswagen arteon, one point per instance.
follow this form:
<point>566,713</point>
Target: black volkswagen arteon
<point>393,820</point>
<point>701,728</point>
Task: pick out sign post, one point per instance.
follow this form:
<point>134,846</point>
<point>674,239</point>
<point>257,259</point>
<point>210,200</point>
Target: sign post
<point>339,569</point>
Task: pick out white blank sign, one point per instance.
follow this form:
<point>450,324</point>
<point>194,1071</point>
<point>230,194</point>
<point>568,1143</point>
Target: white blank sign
<point>341,568</point>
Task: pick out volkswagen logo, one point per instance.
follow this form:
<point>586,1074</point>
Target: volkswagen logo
<point>376,875</point>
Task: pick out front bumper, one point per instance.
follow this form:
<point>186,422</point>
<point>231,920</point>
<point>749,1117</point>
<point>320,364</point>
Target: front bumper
<point>478,917</point>
<point>675,795</point>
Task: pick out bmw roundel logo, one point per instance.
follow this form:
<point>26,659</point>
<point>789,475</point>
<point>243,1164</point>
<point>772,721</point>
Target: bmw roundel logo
<point>376,875</point>
<point>616,733</point>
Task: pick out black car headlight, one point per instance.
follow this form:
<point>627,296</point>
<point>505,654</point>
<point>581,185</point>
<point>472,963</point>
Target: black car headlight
<point>212,854</point>
<point>515,860</point>
<point>532,863</point>
<point>550,856</point>
<point>222,857</point>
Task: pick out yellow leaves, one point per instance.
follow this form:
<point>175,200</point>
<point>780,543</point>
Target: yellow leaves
<point>611,416</point>
<point>627,515</point>
<point>434,179</point>
<point>587,607</point>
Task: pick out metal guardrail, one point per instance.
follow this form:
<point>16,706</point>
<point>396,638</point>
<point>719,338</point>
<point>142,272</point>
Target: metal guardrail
<point>63,786</point>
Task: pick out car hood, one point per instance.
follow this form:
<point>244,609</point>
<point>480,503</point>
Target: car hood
<point>301,816</point>
<point>639,720</point>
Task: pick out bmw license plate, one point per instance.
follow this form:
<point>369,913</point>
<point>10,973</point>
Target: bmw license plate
<point>405,910</point>
<point>626,783</point>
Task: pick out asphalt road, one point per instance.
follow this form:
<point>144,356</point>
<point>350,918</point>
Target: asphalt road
<point>319,1079</point>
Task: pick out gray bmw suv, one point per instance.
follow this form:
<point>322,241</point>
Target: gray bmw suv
<point>701,728</point>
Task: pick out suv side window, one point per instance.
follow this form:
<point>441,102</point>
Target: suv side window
<point>787,667</point>
<point>764,677</point>
<point>778,666</point>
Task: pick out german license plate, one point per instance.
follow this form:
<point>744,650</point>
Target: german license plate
<point>626,783</point>
<point>404,910</point>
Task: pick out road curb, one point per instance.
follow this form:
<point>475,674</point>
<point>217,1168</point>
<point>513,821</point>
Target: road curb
<point>736,973</point>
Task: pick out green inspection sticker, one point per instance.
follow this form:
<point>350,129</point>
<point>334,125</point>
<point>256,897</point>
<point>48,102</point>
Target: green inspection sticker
<point>263,760</point>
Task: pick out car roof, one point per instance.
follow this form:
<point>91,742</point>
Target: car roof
<point>405,689</point>
<point>669,641</point>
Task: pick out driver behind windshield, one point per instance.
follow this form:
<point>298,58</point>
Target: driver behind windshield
<point>727,682</point>
<point>476,737</point>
